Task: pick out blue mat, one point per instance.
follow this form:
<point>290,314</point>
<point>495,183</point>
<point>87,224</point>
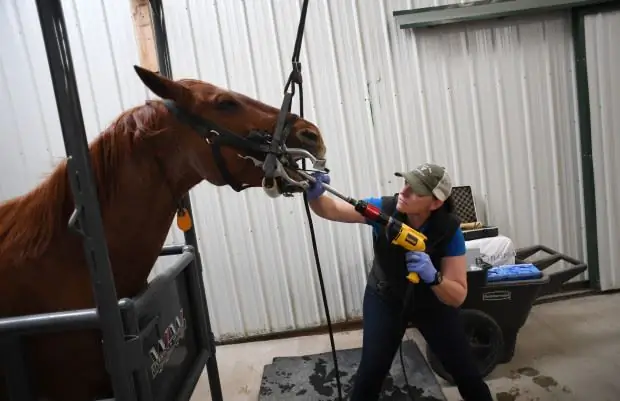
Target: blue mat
<point>525,271</point>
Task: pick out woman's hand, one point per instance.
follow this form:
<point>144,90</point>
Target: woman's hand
<point>316,189</point>
<point>420,262</point>
<point>453,288</point>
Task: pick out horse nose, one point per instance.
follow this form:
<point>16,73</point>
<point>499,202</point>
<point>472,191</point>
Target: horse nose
<point>308,136</point>
<point>313,142</point>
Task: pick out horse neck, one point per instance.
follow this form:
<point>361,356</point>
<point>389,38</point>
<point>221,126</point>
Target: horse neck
<point>138,195</point>
<point>138,218</point>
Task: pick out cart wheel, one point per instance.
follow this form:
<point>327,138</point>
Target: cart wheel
<point>486,339</point>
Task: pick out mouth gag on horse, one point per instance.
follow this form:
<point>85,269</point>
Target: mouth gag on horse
<point>261,147</point>
<point>264,149</point>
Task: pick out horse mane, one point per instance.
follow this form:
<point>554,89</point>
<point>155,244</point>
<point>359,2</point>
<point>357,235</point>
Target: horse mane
<point>30,222</point>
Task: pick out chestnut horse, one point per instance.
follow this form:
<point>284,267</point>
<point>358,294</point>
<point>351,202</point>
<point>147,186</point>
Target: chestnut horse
<point>144,162</point>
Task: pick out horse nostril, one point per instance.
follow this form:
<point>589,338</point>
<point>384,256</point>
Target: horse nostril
<point>310,136</point>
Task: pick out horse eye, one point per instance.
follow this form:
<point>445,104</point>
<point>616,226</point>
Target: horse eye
<point>227,105</point>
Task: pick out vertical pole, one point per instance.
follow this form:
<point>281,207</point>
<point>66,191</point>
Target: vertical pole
<point>585,136</point>
<point>16,369</point>
<point>87,213</point>
<point>163,55</point>
<point>585,132</point>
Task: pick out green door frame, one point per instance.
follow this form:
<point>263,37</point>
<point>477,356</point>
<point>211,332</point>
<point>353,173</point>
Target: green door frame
<point>585,133</point>
<point>477,10</point>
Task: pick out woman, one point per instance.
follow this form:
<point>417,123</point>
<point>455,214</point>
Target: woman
<point>424,204</point>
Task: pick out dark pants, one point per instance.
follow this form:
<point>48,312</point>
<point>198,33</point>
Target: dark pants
<point>383,329</point>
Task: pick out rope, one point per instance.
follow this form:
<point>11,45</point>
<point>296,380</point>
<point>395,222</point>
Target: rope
<point>296,78</point>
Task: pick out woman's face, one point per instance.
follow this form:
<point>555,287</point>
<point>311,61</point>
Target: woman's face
<point>412,203</point>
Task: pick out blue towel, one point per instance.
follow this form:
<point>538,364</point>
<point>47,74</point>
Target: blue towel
<point>524,271</point>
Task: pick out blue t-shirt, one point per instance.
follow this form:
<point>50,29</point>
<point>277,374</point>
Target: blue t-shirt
<point>456,246</point>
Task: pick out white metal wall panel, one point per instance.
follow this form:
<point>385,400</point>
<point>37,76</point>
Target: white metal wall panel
<point>104,51</point>
<point>28,115</point>
<point>603,60</point>
<point>494,102</point>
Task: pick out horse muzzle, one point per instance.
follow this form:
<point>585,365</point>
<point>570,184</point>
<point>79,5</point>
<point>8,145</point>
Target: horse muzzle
<point>285,181</point>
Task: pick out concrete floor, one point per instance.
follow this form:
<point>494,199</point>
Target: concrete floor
<point>567,350</point>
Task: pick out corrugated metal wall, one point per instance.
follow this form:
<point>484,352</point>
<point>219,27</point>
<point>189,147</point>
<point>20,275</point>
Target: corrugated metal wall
<point>495,102</point>
<point>603,60</point>
<point>103,49</point>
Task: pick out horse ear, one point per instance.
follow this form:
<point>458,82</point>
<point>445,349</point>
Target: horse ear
<point>164,87</point>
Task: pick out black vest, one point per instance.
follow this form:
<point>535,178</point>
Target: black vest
<point>389,271</point>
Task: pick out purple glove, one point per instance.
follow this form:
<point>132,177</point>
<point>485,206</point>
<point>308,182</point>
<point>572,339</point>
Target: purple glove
<point>316,189</point>
<point>420,262</point>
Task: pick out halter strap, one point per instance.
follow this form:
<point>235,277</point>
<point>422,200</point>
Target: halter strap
<point>257,144</point>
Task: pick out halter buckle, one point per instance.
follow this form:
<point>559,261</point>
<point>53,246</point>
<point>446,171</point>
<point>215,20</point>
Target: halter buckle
<point>215,133</point>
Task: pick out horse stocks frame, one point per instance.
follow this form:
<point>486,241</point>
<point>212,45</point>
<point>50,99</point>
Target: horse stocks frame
<point>169,320</point>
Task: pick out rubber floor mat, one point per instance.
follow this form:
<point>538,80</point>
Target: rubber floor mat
<point>312,377</point>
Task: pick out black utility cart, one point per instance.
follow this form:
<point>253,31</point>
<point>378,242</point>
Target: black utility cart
<point>166,325</point>
<point>494,312</point>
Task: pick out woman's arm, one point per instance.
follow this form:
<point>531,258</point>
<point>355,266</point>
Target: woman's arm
<point>453,288</point>
<point>335,210</point>
<point>330,208</point>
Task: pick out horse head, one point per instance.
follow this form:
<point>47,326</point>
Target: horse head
<point>225,136</point>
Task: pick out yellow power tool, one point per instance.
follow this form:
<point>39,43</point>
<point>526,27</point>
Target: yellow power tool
<point>398,232</point>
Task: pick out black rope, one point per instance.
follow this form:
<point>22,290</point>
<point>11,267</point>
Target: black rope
<point>323,294</point>
<point>318,267</point>
<point>295,78</point>
<point>404,316</point>
<point>408,304</point>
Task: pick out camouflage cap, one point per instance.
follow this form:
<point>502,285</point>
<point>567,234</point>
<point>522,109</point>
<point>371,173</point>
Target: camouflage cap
<point>428,179</point>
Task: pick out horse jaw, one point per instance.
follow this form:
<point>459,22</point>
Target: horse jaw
<point>278,186</point>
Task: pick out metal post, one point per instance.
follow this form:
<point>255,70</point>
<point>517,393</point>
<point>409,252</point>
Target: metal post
<point>88,217</point>
<point>16,369</point>
<point>163,56</point>
<point>585,134</point>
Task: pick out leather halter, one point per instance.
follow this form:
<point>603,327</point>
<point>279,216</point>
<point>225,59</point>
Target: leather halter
<point>256,145</point>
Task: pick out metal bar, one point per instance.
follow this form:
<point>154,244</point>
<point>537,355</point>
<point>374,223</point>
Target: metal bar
<point>162,281</point>
<point>482,10</point>
<point>161,38</point>
<point>327,187</point>
<point>195,297</point>
<point>585,136</point>
<point>49,322</point>
<point>418,10</point>
<point>599,8</point>
<point>585,133</point>
<point>130,319</point>
<point>84,191</point>
<point>16,369</point>
<point>206,340</point>
<point>172,250</point>
<point>163,55</point>
<point>185,393</point>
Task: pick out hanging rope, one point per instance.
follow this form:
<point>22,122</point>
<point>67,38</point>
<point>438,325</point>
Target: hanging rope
<point>295,78</point>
